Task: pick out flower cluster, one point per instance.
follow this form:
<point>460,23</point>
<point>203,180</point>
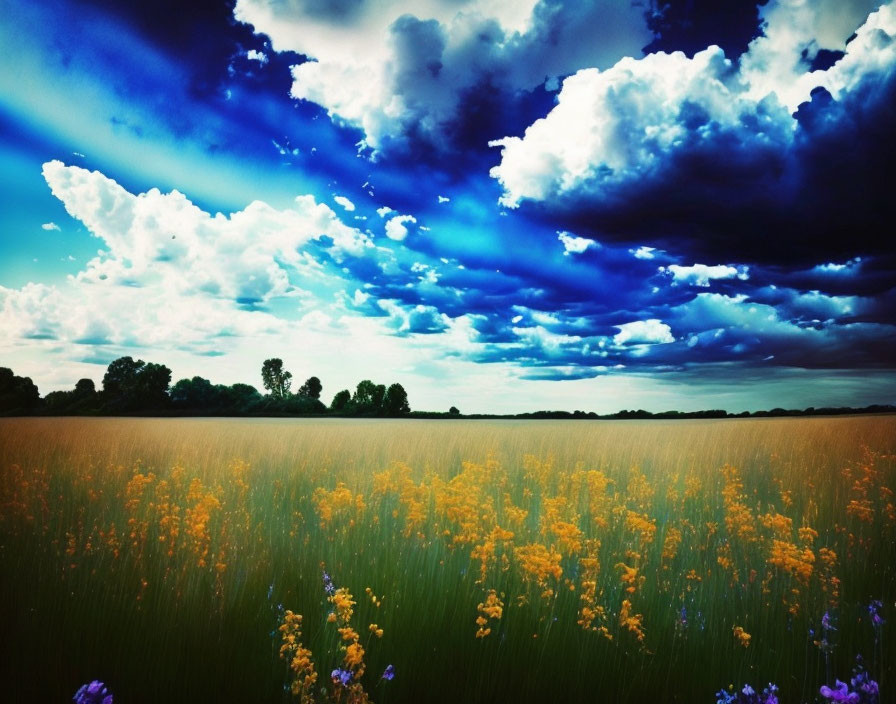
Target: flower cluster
<point>860,690</point>
<point>94,693</point>
<point>491,608</point>
<point>748,695</point>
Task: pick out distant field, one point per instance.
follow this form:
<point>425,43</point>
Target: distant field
<point>611,561</point>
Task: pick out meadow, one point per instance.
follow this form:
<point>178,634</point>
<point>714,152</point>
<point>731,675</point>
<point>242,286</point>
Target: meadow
<point>274,560</point>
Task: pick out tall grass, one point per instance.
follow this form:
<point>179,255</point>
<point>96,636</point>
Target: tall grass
<point>159,555</point>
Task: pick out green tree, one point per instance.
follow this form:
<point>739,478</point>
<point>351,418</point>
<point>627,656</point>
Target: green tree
<point>341,400</point>
<point>364,394</point>
<point>275,378</point>
<point>378,398</point>
<point>130,385</point>
<point>453,411</point>
<point>396,401</point>
<point>311,388</point>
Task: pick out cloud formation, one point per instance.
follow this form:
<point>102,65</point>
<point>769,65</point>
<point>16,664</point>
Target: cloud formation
<point>703,153</point>
<point>404,68</point>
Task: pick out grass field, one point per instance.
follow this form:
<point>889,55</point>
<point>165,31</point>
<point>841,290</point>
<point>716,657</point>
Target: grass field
<point>502,560</point>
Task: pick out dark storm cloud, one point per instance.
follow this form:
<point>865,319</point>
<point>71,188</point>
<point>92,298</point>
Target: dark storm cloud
<point>826,198</point>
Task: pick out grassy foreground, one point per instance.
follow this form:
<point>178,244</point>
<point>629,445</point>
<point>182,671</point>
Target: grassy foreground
<point>483,560</point>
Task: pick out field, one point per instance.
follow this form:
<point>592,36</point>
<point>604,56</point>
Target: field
<point>484,561</point>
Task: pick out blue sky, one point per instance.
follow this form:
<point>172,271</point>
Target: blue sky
<point>503,206</point>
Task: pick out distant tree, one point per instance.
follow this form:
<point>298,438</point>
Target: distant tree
<point>363,396</point>
<point>120,378</point>
<point>83,399</point>
<point>130,385</point>
<point>311,388</point>
<point>196,394</point>
<point>378,398</point>
<point>240,398</point>
<point>396,401</point>
<point>85,387</point>
<point>276,379</point>
<point>341,400</point>
<point>453,411</point>
<point>152,386</point>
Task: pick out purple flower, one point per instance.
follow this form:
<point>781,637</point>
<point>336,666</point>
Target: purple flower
<point>389,673</point>
<point>328,584</point>
<point>840,694</point>
<point>748,690</point>
<point>874,611</point>
<point>343,676</point>
<point>93,693</point>
<point>826,622</point>
<point>771,694</point>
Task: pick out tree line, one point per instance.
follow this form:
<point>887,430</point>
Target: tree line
<point>134,387</point>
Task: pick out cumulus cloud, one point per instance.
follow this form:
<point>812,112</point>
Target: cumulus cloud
<point>50,226</point>
<point>794,31</point>
<point>255,55</point>
<point>644,252</point>
<point>701,274</point>
<point>401,66</point>
<point>704,151</point>
<point>611,127</point>
<point>396,228</point>
<point>172,274</point>
<point>573,244</point>
<point>644,332</point>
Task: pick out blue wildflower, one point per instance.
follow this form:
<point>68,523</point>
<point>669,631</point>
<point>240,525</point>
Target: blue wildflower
<point>94,693</point>
<point>874,611</point>
<point>342,676</point>
<point>329,587</point>
<point>389,673</point>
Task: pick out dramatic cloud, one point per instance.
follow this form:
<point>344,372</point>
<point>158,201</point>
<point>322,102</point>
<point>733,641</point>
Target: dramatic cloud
<point>708,155</point>
<point>402,67</point>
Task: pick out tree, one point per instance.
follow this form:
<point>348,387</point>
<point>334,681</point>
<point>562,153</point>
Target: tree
<point>341,400</point>
<point>311,388</point>
<point>377,398</point>
<point>453,411</point>
<point>396,401</point>
<point>121,378</point>
<point>363,397</point>
<point>130,385</point>
<point>85,387</point>
<point>276,379</point>
<point>196,393</point>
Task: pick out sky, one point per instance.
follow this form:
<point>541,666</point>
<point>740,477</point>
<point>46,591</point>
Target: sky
<point>503,205</point>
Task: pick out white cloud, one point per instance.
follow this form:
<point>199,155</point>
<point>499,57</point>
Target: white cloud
<point>389,65</point>
<point>444,199</point>
<point>643,252</point>
<point>701,274</point>
<point>794,31</point>
<point>258,56</point>
<point>573,244</point>
<point>395,227</point>
<point>50,226</point>
<point>345,203</point>
<point>613,126</point>
<point>171,274</point>
<point>643,332</point>
<point>384,211</point>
